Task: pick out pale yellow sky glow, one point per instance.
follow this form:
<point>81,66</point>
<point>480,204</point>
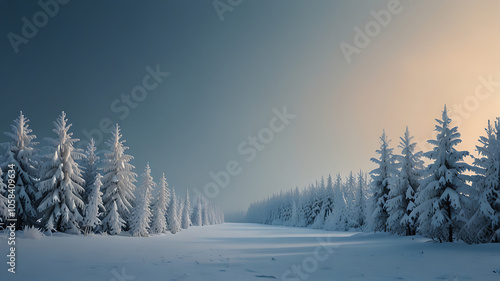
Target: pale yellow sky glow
<point>431,54</point>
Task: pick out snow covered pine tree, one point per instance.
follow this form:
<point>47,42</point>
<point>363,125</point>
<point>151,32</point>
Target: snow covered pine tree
<point>186,212</point>
<point>61,182</point>
<point>22,153</point>
<point>404,186</point>
<point>443,196</point>
<point>118,183</point>
<point>380,184</point>
<point>484,226</point>
<point>94,205</point>
<point>141,216</point>
<point>159,224</point>
<point>172,216</point>
<point>90,167</point>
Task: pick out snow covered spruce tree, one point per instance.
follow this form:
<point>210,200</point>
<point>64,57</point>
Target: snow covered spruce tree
<point>60,186</point>
<point>186,212</point>
<point>141,216</point>
<point>350,195</point>
<point>294,216</point>
<point>172,216</point>
<point>442,199</point>
<point>159,224</point>
<point>338,219</point>
<point>318,208</point>
<point>196,218</point>
<point>404,186</point>
<point>22,153</point>
<point>484,226</point>
<point>204,211</point>
<point>94,206</point>
<point>310,197</point>
<point>359,210</point>
<point>380,183</point>
<point>328,199</point>
<point>180,207</point>
<point>118,181</point>
<point>113,222</point>
<point>90,167</point>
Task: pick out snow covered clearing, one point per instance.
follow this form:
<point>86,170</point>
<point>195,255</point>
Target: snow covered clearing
<point>250,252</point>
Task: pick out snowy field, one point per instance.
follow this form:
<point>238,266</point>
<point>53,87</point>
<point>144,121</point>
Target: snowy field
<point>249,252</point>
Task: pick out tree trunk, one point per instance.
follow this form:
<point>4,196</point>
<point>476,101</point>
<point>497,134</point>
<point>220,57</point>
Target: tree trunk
<point>450,227</point>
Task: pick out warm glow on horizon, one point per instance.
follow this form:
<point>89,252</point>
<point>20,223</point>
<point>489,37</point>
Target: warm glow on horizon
<point>429,58</point>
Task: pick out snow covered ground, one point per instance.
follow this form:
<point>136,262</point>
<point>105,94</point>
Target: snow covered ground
<point>249,252</point>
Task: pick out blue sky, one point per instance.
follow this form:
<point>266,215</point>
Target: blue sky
<point>226,77</point>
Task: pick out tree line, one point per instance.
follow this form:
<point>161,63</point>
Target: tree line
<point>67,189</point>
<point>445,199</point>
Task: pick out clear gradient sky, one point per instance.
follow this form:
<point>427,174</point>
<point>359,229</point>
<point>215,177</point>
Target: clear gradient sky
<point>226,77</point>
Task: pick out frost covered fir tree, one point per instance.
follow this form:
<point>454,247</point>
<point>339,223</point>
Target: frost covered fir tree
<point>294,217</point>
<point>484,226</point>
<point>180,207</point>
<point>310,197</point>
<point>319,211</point>
<point>94,206</point>
<point>301,208</point>
<point>22,153</point>
<point>113,223</point>
<point>338,219</point>
<point>141,216</point>
<point>328,199</point>
<point>204,211</point>
<point>4,211</point>
<point>61,182</point>
<point>118,181</point>
<point>159,224</point>
<point>319,221</point>
<point>90,166</point>
<point>350,193</point>
<point>442,198</point>
<point>196,218</point>
<point>172,216</point>
<point>404,186</point>
<point>358,212</point>
<point>368,204</point>
<point>380,183</point>
<point>186,212</point>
